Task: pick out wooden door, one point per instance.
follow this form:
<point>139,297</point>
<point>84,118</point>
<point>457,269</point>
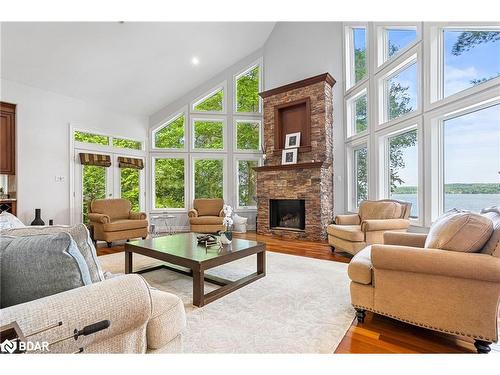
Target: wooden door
<point>8,138</point>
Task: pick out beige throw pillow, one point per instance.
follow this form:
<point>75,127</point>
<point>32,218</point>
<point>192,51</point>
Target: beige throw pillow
<point>492,247</point>
<point>459,231</point>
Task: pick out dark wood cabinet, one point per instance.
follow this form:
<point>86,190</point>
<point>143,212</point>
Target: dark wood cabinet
<point>8,138</point>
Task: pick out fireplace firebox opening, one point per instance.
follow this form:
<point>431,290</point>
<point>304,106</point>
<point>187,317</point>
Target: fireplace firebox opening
<point>287,214</point>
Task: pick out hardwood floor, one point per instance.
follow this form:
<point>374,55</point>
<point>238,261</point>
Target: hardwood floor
<point>378,334</point>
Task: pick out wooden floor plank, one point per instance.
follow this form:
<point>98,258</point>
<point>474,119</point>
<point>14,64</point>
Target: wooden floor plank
<point>378,334</point>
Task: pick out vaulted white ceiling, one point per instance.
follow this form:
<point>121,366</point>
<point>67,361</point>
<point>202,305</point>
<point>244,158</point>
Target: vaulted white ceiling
<point>131,67</point>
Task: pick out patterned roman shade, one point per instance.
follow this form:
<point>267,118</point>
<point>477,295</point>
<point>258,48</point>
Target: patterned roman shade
<point>130,163</point>
<point>95,159</point>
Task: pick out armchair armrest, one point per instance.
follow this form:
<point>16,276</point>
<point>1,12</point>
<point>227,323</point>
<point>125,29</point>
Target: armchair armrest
<point>474,266</point>
<point>99,218</point>
<point>384,224</point>
<point>353,219</point>
<point>405,239</point>
<point>193,213</point>
<point>137,215</point>
<point>221,213</point>
<point>124,300</point>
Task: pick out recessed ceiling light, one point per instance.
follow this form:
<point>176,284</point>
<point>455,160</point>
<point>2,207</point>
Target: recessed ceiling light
<point>195,61</point>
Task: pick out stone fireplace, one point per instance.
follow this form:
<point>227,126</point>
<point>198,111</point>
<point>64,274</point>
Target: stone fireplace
<point>295,201</point>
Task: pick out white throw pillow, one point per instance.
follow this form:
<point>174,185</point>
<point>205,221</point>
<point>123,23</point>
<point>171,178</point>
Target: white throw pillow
<point>9,221</point>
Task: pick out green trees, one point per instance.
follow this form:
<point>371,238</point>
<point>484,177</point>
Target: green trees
<point>172,134</point>
<point>208,178</point>
<point>213,103</point>
<point>397,145</point>
<point>91,138</point>
<point>247,187</point>
<point>208,134</point>
<point>93,186</point>
<point>126,143</point>
<point>247,91</point>
<point>248,135</point>
<point>169,183</point>
<point>129,183</point>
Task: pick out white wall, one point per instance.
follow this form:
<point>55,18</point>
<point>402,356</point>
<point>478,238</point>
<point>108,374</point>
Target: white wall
<point>43,120</point>
<point>298,50</point>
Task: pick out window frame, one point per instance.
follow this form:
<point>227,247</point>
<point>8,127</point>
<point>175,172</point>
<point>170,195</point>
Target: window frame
<point>350,112</point>
<point>236,150</point>
<point>348,40</point>
<point>398,65</point>
<point>153,159</point>
<point>383,60</point>
<point>251,66</point>
<point>222,86</point>
<point>163,124</point>
<point>194,119</point>
<point>434,32</point>
<point>383,139</point>
<point>236,160</point>
<point>352,172</point>
<point>209,156</point>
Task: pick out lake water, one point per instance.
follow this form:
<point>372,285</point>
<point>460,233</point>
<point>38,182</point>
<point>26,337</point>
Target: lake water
<point>471,202</point>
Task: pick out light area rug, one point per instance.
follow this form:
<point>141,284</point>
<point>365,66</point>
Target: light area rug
<point>302,305</point>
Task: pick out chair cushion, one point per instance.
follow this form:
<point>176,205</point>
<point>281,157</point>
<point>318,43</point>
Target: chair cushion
<point>206,220</point>
<point>347,232</point>
<point>114,208</point>
<point>167,321</point>
<point>459,231</point>
<point>380,210</point>
<point>360,268</point>
<point>118,225</point>
<point>80,235</point>
<point>492,247</point>
<point>34,267</point>
<point>208,207</point>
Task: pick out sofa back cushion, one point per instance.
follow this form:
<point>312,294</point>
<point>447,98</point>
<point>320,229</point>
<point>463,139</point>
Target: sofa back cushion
<point>34,267</point>
<point>459,231</point>
<point>208,207</point>
<point>115,208</point>
<point>385,209</point>
<point>8,221</point>
<point>80,235</point>
<point>492,247</point>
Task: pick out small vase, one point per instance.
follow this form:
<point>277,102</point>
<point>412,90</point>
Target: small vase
<point>226,237</point>
<point>38,219</point>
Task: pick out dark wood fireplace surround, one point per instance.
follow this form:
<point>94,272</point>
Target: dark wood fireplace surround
<point>304,106</point>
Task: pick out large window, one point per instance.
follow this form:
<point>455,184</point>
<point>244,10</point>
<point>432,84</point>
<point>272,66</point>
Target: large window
<point>247,90</point>
<point>472,160</point>
<point>470,58</point>
<point>403,169</point>
<point>171,135</point>
<point>208,178</point>
<point>208,134</point>
<point>247,183</point>
<point>360,159</point>
<point>169,182</point>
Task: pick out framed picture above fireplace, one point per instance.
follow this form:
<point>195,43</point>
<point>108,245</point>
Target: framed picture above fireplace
<point>289,156</point>
<point>292,140</point>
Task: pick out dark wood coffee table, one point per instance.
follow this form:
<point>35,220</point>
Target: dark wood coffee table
<point>184,255</point>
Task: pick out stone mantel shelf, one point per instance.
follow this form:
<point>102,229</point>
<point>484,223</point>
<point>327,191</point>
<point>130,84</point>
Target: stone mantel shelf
<point>307,165</point>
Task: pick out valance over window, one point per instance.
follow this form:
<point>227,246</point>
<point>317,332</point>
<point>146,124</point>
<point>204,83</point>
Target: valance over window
<point>130,163</point>
<point>95,159</point>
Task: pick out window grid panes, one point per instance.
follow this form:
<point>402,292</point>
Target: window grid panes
<point>472,163</point>
<point>403,169</point>
<point>401,92</point>
<point>359,54</point>
<point>91,138</point>
<point>359,113</point>
<point>171,135</point>
<point>247,91</point>
<point>397,39</point>
<point>127,143</point>
<point>208,134</point>
<point>213,103</point>
<point>169,178</point>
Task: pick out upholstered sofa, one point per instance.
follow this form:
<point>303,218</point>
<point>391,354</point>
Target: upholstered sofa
<point>453,289</point>
<point>113,220</point>
<point>207,215</point>
<point>143,319</point>
<point>352,233</point>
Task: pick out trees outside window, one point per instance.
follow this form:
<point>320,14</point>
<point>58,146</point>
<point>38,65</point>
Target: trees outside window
<point>248,135</point>
<point>397,39</point>
<point>247,183</point>
<point>91,138</point>
<point>208,134</point>
<point>171,135</point>
<point>401,92</point>
<point>247,91</point>
<point>361,174</point>
<point>208,178</point>
<point>169,179</point>
<point>130,186</point>
<point>213,103</point>
<point>93,186</point>
<point>127,143</point>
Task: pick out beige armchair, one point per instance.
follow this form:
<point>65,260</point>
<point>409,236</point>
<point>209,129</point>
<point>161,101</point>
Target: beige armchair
<point>352,233</point>
<point>447,291</point>
<point>207,215</point>
<point>112,220</point>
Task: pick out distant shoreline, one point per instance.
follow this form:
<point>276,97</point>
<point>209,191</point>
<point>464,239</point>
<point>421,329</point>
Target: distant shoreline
<point>458,188</point>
